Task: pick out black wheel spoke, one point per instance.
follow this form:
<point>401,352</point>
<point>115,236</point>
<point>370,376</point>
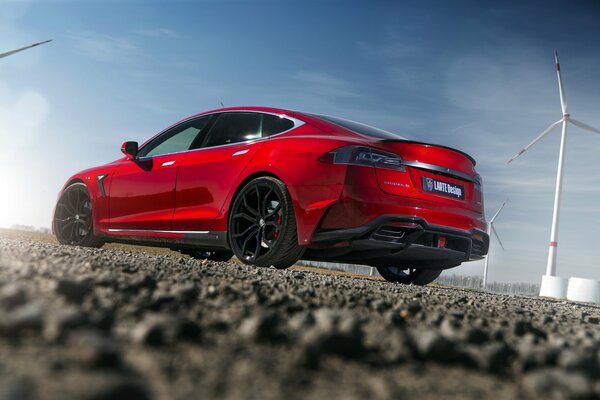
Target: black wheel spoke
<point>244,216</point>
<point>263,207</point>
<point>258,202</point>
<point>67,225</point>
<point>245,247</point>
<point>274,224</point>
<point>67,207</point>
<point>247,206</point>
<point>258,244</point>
<point>72,202</point>
<point>274,211</point>
<point>73,233</point>
<point>247,232</point>
<point>77,199</point>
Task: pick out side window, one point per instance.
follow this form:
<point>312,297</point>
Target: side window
<point>234,127</point>
<point>273,124</point>
<point>177,139</point>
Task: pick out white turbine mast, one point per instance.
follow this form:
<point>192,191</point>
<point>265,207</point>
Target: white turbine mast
<point>491,230</point>
<point>566,118</point>
<point>10,53</point>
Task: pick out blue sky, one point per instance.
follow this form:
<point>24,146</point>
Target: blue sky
<point>476,75</point>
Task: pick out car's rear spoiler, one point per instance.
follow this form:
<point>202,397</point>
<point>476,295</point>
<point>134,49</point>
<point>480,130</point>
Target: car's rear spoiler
<point>430,144</point>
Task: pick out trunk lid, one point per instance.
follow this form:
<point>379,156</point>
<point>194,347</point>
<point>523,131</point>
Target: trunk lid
<point>434,173</point>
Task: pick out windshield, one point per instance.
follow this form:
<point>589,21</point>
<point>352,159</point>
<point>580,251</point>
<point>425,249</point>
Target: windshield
<point>360,128</point>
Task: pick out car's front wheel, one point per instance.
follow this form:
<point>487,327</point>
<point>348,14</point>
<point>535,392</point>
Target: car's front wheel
<point>262,225</point>
<point>409,275</point>
<point>73,221</point>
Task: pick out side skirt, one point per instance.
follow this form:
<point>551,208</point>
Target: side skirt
<point>176,240</point>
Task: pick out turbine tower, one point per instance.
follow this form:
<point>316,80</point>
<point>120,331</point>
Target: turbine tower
<point>10,53</point>
<point>490,230</point>
<point>566,118</point>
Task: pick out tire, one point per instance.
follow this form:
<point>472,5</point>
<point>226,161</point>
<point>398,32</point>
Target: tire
<point>73,219</point>
<point>262,225</point>
<point>419,277</point>
<point>220,256</point>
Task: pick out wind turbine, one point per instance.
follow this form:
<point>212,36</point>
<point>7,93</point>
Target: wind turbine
<point>10,53</point>
<point>566,118</point>
<point>490,230</point>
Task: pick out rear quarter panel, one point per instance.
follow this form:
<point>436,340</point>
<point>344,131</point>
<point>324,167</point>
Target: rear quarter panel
<point>294,159</point>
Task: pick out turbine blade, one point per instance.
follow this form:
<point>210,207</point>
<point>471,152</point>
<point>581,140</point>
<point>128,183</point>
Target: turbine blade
<point>497,237</point>
<point>8,53</point>
<point>537,139</point>
<point>563,99</point>
<point>498,212</point>
<point>584,126</point>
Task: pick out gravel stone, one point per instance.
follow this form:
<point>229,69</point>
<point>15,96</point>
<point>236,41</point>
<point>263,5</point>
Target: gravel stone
<point>129,390</point>
<point>96,351</point>
<point>151,331</point>
<point>558,385</point>
<point>13,295</point>
<point>72,290</point>
<point>263,327</point>
<point>117,322</point>
<point>16,388</point>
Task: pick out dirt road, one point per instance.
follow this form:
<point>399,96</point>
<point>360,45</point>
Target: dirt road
<point>115,323</point>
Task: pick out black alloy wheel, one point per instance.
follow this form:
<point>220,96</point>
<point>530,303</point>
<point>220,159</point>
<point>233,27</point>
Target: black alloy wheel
<point>262,225</point>
<point>73,221</point>
<point>409,275</point>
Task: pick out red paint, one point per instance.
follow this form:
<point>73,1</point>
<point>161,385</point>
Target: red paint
<point>142,193</point>
<point>553,244</point>
<point>195,192</point>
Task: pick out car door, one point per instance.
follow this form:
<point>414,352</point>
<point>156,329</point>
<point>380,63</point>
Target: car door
<point>142,190</point>
<point>207,174</point>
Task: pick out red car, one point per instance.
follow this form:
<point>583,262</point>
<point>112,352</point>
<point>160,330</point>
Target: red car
<point>273,186</point>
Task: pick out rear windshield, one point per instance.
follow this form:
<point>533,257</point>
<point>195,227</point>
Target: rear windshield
<point>360,128</point>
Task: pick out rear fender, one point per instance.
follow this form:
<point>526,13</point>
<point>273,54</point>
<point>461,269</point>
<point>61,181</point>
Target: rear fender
<point>313,186</point>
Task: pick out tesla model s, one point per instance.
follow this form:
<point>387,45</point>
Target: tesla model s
<point>272,186</point>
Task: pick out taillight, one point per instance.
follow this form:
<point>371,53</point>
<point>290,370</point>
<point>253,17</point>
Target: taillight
<point>360,155</point>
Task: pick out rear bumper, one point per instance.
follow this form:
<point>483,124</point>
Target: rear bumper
<point>400,240</point>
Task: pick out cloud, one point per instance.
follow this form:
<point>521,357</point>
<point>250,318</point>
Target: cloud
<point>157,33</point>
<point>325,84</point>
<point>105,48</point>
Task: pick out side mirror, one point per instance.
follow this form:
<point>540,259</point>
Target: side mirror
<point>130,149</point>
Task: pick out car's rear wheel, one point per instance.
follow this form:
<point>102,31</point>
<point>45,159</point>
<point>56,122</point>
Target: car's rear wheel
<point>73,221</point>
<point>262,225</point>
<point>409,275</point>
<point>219,255</point>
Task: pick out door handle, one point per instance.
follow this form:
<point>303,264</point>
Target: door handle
<point>239,153</point>
<point>167,163</point>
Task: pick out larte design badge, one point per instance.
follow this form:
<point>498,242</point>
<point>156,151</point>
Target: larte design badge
<point>445,188</point>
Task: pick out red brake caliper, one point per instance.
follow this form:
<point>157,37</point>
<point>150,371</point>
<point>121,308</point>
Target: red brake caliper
<point>276,233</point>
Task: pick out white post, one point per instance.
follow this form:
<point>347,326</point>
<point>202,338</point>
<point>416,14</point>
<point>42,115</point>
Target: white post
<point>551,267</point>
<point>487,257</point>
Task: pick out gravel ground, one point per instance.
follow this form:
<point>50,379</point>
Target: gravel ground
<point>112,323</point>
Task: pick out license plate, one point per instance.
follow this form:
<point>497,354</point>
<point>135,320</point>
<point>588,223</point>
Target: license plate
<point>443,188</point>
